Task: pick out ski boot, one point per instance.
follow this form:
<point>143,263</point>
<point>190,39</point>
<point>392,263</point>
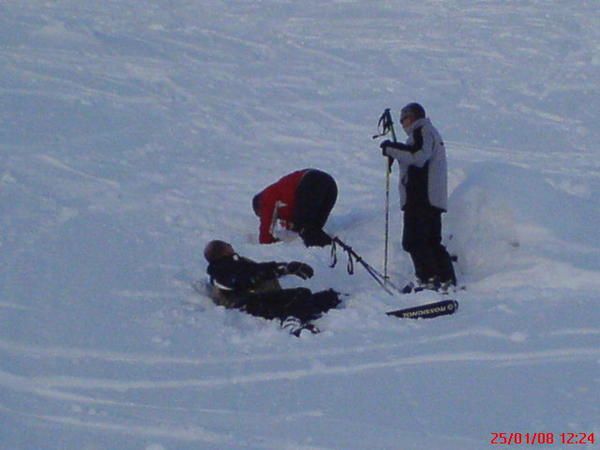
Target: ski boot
<point>295,326</point>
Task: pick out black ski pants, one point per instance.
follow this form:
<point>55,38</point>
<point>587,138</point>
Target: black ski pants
<point>422,239</point>
<point>297,302</point>
<point>315,197</point>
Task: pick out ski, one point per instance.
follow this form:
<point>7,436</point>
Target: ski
<point>427,311</point>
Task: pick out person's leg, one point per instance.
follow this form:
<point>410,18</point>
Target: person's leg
<point>305,198</point>
<point>416,241</point>
<point>295,308</point>
<point>329,193</point>
<point>307,307</point>
<point>445,269</point>
<point>276,304</point>
<point>315,197</point>
<point>323,301</point>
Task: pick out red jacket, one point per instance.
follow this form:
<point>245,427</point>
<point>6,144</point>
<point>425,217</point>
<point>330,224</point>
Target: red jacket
<point>277,202</point>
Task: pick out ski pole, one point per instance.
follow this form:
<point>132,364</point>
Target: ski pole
<point>387,125</point>
<point>387,198</point>
<point>386,239</point>
<point>352,255</point>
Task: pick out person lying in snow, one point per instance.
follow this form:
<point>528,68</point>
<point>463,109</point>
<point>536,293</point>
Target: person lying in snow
<point>301,202</point>
<point>238,282</point>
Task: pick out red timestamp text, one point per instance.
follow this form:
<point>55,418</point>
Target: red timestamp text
<point>577,438</point>
<point>541,438</point>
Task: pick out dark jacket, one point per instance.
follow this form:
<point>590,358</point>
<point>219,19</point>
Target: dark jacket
<point>232,278</point>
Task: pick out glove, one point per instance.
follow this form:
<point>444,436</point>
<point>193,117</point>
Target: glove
<point>299,269</point>
<point>314,237</point>
<point>384,146</point>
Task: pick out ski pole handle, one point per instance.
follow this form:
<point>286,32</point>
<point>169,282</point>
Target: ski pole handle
<point>384,124</point>
<point>390,124</point>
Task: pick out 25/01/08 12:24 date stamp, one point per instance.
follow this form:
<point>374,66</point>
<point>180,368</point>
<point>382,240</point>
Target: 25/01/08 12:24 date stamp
<point>543,438</point>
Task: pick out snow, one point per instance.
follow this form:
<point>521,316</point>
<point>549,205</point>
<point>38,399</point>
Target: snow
<point>131,133</point>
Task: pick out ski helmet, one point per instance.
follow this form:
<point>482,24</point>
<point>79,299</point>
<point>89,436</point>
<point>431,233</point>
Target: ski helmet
<point>414,109</point>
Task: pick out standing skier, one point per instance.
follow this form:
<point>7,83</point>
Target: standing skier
<point>238,282</point>
<point>423,196</point>
<point>300,201</point>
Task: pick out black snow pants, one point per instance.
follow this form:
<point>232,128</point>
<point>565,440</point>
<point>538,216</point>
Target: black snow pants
<point>315,197</point>
<point>297,302</point>
<point>422,239</point>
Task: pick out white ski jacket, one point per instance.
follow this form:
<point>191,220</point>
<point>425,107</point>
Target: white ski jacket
<point>423,167</point>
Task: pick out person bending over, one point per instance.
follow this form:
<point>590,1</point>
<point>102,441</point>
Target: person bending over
<point>300,201</point>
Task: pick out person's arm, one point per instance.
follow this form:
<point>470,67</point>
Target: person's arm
<point>241,274</point>
<point>271,270</point>
<point>416,154</point>
<point>267,217</point>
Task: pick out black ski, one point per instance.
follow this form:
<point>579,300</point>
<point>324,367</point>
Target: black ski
<point>428,311</point>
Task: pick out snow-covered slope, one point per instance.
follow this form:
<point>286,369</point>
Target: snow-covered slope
<point>131,133</point>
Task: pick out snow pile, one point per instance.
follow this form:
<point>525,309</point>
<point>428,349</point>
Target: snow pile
<point>504,218</point>
<point>484,234</point>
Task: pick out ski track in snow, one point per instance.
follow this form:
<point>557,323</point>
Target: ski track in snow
<point>132,134</point>
<point>560,355</point>
<point>78,354</point>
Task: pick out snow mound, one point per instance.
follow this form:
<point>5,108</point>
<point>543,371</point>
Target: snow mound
<point>502,216</point>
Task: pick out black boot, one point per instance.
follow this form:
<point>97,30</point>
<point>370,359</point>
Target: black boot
<point>315,237</point>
